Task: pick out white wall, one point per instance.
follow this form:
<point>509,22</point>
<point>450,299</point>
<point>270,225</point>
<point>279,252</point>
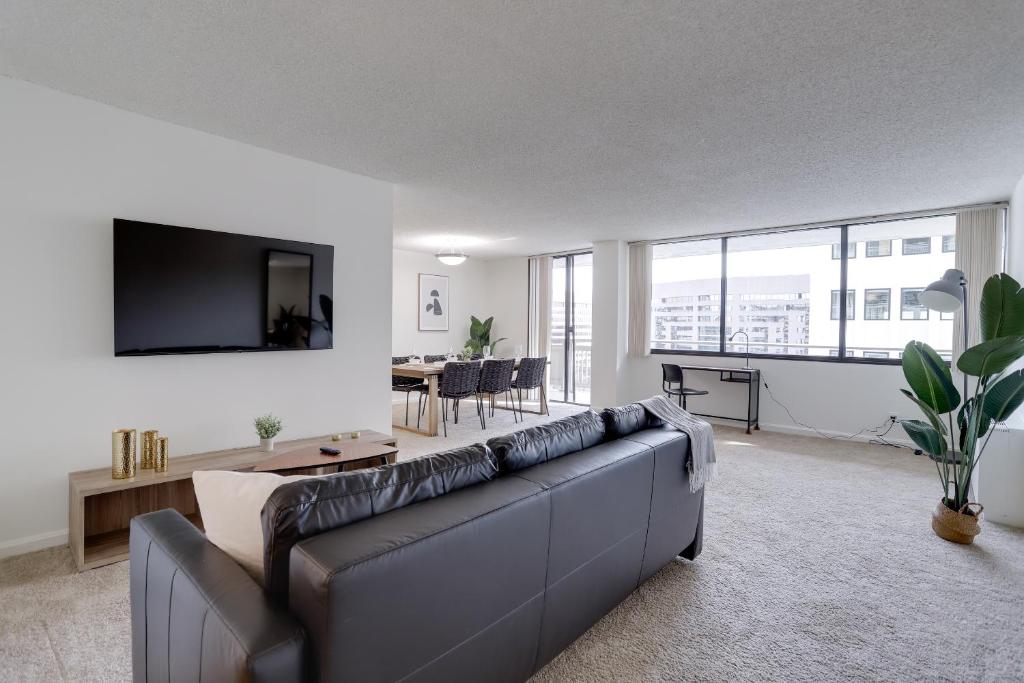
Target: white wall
<point>508,299</point>
<point>67,167</point>
<point>1015,234</point>
<point>481,288</point>
<point>1000,476</point>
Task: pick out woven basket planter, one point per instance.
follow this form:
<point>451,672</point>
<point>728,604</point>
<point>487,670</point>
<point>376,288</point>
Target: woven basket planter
<point>958,527</point>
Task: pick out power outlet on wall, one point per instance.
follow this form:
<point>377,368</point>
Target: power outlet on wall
<point>893,417</point>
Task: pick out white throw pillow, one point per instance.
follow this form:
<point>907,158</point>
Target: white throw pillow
<point>230,504</point>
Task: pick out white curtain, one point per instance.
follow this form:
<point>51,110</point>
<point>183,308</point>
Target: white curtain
<point>638,339</point>
<point>540,306</point>
<point>979,254</point>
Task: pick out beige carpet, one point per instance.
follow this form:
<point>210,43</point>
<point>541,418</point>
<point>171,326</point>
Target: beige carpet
<point>818,564</point>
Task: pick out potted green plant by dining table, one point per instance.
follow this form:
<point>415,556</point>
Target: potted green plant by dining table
<point>480,336</point>
<point>957,428</point>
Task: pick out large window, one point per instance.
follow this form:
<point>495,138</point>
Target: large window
<point>892,313</point>
<point>687,291</point>
<point>794,294</point>
<point>571,296</point>
<point>775,285</point>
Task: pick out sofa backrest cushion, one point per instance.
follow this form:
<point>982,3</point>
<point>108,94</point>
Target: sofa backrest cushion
<point>301,509</point>
<point>544,442</point>
<point>625,420</point>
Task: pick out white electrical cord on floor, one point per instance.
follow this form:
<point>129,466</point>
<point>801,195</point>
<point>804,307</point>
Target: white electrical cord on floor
<point>877,431</point>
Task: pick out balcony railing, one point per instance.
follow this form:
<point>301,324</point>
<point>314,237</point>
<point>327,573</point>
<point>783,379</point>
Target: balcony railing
<point>755,344</point>
<point>580,368</point>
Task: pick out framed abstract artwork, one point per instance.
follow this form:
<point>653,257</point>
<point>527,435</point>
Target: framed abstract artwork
<point>433,303</point>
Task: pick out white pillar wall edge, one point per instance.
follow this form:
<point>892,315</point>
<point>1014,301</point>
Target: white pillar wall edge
<point>609,310</point>
<point>999,478</point>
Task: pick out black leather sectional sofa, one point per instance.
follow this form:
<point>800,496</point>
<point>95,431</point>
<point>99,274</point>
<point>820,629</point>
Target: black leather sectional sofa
<point>481,563</point>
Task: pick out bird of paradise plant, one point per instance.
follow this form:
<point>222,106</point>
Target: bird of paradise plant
<point>958,428</point>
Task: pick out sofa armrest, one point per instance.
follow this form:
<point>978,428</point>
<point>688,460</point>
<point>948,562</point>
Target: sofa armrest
<point>198,616</point>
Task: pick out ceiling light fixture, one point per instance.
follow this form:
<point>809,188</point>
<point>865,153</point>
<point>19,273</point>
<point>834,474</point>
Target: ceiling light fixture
<point>451,256</point>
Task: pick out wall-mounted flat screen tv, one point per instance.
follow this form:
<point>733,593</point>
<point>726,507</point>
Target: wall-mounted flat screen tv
<point>184,290</point>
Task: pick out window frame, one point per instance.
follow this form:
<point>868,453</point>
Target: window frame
<point>927,313</point>
<point>888,309</point>
<point>867,255</point>
<point>903,246</point>
<point>843,356</point>
<point>851,304</point>
<point>943,244</point>
<point>836,256</point>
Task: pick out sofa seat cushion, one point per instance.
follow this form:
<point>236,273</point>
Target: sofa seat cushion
<point>529,447</point>
<point>306,508</point>
<point>625,420</point>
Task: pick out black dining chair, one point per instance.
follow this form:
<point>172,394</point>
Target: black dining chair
<point>673,375</point>
<point>460,380</point>
<point>530,376</point>
<point>406,385</point>
<point>496,379</point>
<point>428,358</point>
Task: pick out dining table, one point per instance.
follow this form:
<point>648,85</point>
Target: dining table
<point>431,373</point>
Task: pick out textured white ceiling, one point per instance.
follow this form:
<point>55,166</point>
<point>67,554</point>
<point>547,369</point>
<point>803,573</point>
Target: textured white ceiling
<point>545,126</point>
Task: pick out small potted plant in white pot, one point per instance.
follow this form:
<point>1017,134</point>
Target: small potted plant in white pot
<point>267,427</point>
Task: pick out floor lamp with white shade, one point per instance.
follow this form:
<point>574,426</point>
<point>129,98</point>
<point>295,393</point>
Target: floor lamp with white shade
<point>945,295</point>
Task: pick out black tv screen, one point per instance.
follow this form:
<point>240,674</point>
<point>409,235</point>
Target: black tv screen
<point>183,290</point>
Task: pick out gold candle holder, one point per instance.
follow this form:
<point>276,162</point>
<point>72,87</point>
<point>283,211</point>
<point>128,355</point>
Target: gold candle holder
<point>148,449</point>
<point>122,454</point>
<point>163,452</point>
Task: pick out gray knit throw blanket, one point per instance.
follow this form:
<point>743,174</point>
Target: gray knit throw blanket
<point>702,465</point>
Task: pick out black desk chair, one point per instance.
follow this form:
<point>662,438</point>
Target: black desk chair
<point>673,375</point>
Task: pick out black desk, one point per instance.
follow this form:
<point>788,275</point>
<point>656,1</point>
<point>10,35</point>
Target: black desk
<point>749,376</point>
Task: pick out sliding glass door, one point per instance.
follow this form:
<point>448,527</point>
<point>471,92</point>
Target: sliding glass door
<point>571,290</point>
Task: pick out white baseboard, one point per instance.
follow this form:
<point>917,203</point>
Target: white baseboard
<point>866,437</point>
<point>804,431</point>
<point>27,544</point>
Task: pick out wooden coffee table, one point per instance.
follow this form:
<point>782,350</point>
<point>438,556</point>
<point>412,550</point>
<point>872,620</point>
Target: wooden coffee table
<point>309,457</point>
